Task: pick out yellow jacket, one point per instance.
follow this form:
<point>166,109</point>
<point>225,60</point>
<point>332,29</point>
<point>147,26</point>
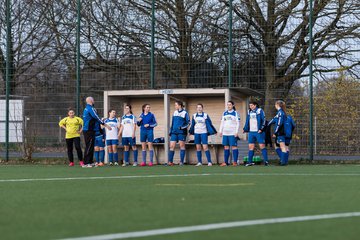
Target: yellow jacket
<point>72,125</point>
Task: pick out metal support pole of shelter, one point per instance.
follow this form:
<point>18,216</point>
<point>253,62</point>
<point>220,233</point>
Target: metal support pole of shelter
<point>167,125</point>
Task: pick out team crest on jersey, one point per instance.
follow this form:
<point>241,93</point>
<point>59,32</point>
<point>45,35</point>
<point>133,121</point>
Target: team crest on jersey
<point>228,118</point>
<point>199,121</point>
<point>252,115</point>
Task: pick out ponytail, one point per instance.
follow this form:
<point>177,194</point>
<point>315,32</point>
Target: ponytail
<point>180,103</point>
<point>144,106</point>
<point>233,104</point>
<point>110,112</point>
<point>281,104</point>
<point>130,108</point>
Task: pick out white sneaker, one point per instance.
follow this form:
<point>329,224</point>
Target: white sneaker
<point>249,164</point>
<point>198,165</point>
<point>116,163</point>
<point>125,164</point>
<point>110,163</point>
<point>209,164</point>
<point>135,164</point>
<point>87,166</point>
<point>181,164</point>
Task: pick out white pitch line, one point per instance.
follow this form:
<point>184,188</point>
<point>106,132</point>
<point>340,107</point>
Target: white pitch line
<point>207,227</point>
<point>109,177</point>
<point>175,175</point>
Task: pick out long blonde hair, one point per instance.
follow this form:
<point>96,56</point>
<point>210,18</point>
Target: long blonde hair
<point>281,104</point>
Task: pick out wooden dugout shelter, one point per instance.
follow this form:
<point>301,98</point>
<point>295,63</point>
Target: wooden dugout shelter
<point>162,105</point>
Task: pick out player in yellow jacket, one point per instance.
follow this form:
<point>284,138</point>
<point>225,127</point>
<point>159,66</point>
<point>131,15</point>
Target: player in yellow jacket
<point>73,126</point>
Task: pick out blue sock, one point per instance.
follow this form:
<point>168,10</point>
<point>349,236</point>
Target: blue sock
<point>182,155</point>
<point>143,154</point>
<point>126,156</point>
<point>102,156</point>
<point>135,155</point>
<point>97,156</point>
<point>283,158</point>
<point>251,155</point>
<point>111,157</point>
<point>198,154</point>
<point>287,157</point>
<point>208,156</point>
<point>116,157</point>
<point>235,153</point>
<point>265,155</point>
<point>278,151</point>
<point>226,156</point>
<point>151,156</point>
<point>171,156</point>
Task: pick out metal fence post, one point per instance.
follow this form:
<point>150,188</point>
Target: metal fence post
<point>78,74</point>
<point>7,75</point>
<point>230,43</point>
<point>315,134</point>
<point>152,70</point>
<point>311,150</point>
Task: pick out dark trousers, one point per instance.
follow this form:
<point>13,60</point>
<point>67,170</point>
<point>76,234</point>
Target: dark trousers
<point>69,143</point>
<point>89,146</point>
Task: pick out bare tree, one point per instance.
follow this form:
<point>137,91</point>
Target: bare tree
<point>279,31</point>
<point>29,41</point>
<point>187,32</point>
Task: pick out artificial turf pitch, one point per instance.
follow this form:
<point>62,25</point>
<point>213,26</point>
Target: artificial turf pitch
<point>77,205</point>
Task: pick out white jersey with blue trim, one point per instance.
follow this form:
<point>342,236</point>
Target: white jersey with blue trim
<point>230,123</point>
<point>253,120</point>
<point>113,133</point>
<point>128,122</point>
<point>200,124</point>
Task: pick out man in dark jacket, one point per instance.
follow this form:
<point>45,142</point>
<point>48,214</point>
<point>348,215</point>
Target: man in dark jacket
<point>91,129</point>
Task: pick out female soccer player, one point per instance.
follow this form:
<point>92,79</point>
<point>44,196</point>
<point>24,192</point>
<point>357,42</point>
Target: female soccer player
<point>279,131</point>
<point>255,126</point>
<point>99,147</point>
<point>73,127</point>
<point>201,127</point>
<point>178,131</point>
<point>147,122</point>
<point>112,140</point>
<point>127,133</point>
<point>229,131</point>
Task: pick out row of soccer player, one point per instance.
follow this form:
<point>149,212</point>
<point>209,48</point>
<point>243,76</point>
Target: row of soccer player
<point>200,126</point>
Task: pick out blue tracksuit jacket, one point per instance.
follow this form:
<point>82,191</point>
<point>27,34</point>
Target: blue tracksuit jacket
<point>261,120</point>
<point>91,119</point>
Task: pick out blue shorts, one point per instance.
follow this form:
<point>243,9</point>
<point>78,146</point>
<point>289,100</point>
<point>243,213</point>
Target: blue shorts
<point>229,141</point>
<point>280,139</point>
<point>201,138</point>
<point>177,137</point>
<point>112,142</point>
<point>146,135</point>
<point>128,141</point>
<point>256,137</point>
<point>99,141</point>
<point>287,141</point>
